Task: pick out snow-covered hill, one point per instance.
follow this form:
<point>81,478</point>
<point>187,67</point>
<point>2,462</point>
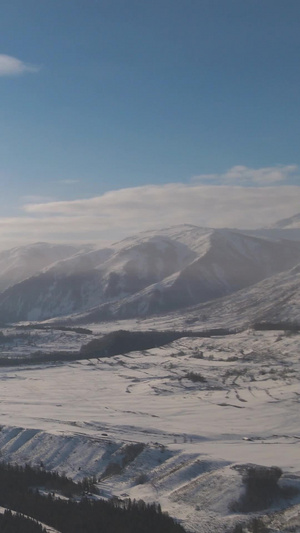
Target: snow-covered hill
<point>86,280</point>
<point>275,300</point>
<point>153,272</point>
<point>231,262</point>
<point>23,262</point>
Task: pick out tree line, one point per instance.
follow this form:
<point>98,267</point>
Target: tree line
<point>19,491</point>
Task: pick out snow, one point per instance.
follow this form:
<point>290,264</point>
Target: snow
<point>153,271</point>
<point>226,261</point>
<point>77,417</point>
<point>24,341</point>
<point>20,263</point>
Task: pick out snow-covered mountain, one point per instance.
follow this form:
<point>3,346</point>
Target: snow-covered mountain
<point>153,272</point>
<point>232,261</point>
<point>89,279</point>
<point>275,300</point>
<point>22,262</point>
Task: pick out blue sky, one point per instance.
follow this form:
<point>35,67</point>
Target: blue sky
<point>111,99</point>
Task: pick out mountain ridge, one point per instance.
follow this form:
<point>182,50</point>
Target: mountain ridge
<point>154,272</point>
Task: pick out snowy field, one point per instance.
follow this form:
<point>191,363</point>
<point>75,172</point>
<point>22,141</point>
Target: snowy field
<point>199,405</point>
<point>24,342</point>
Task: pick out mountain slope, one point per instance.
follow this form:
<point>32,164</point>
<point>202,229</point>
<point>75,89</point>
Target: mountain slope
<point>85,280</point>
<point>22,262</point>
<point>232,262</point>
<point>275,300</point>
<point>153,272</point>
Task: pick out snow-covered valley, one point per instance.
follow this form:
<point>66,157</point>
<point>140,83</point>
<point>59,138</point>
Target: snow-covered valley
<point>199,405</point>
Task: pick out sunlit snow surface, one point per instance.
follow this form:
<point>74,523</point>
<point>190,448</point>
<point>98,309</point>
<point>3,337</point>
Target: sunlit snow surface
<point>76,418</point>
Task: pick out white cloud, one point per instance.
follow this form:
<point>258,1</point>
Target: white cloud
<point>241,175</point>
<point>211,205</point>
<point>117,214</point>
<point>11,66</point>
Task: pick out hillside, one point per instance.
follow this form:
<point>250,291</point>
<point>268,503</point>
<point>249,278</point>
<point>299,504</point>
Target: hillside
<point>153,272</point>
<point>275,300</point>
<point>23,262</point>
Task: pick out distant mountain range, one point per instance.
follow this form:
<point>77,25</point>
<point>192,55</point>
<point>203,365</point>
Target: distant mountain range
<point>154,272</point>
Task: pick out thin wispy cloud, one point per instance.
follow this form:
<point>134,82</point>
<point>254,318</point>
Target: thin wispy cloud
<point>241,175</point>
<point>12,66</point>
<point>117,214</point>
<point>209,205</point>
